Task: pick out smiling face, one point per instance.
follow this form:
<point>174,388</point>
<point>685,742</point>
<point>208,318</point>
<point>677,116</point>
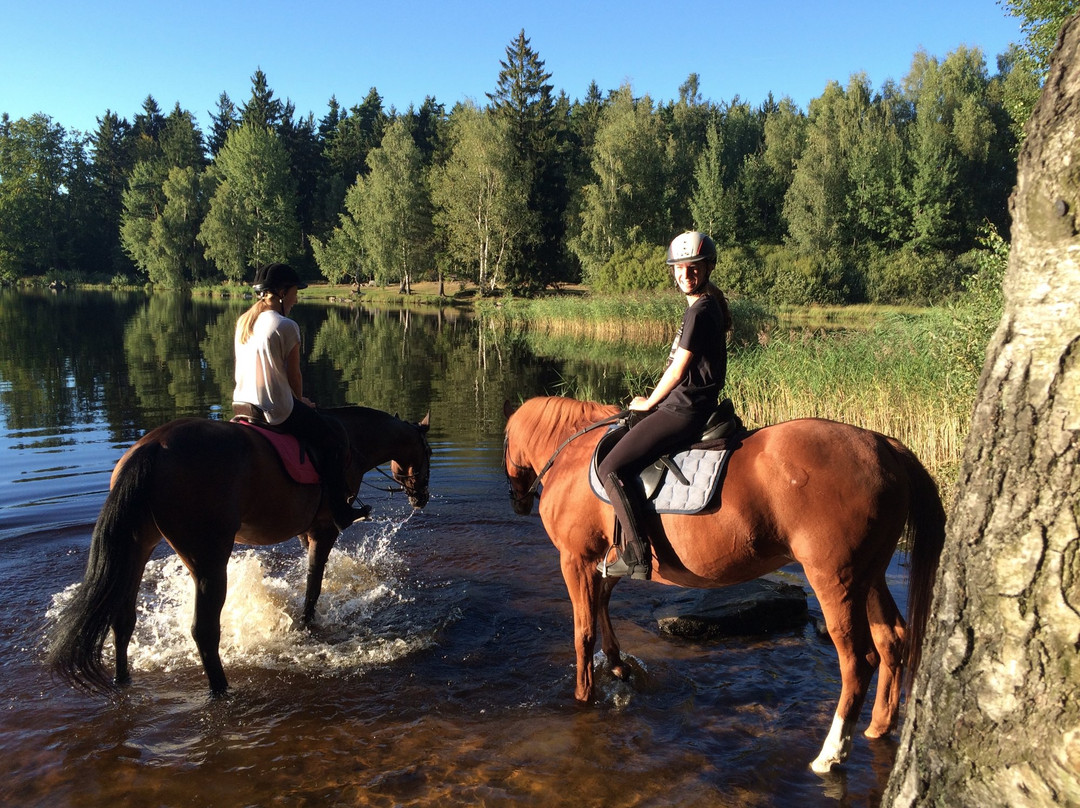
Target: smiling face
<point>689,277</point>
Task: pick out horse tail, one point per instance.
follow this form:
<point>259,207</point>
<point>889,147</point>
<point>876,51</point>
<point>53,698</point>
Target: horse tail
<point>78,635</point>
<point>925,534</point>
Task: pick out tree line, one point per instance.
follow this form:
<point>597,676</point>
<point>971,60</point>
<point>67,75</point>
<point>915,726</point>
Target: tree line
<point>868,195</point>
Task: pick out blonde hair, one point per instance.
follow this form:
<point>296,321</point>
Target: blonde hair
<point>245,325</point>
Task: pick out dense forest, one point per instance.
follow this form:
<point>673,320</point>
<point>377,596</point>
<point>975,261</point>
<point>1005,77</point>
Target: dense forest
<point>879,195</point>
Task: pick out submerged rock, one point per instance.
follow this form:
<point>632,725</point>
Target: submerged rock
<point>754,607</point>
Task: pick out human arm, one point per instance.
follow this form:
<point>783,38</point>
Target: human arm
<point>674,372</point>
<point>292,371</point>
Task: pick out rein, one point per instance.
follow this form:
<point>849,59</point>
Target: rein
<point>602,422</point>
<point>399,489</point>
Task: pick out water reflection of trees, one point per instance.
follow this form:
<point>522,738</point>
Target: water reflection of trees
<point>60,362</point>
<point>136,360</point>
<point>409,363</point>
<point>179,355</point>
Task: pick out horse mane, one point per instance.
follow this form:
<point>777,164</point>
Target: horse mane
<point>558,416</point>
<point>358,410</point>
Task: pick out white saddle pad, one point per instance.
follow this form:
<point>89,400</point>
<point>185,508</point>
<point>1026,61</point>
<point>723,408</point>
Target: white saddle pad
<point>702,469</point>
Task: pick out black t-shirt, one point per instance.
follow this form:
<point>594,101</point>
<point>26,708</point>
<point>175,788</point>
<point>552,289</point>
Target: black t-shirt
<point>702,333</point>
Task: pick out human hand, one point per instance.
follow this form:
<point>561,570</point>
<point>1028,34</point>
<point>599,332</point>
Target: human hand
<point>640,403</point>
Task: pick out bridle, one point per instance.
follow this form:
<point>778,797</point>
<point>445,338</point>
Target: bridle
<point>507,462</point>
<point>407,483</point>
<point>419,481</point>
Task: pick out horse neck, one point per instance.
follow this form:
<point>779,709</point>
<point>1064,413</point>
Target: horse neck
<point>547,422</point>
<point>378,436</point>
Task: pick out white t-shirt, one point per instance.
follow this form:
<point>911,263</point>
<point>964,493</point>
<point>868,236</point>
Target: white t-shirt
<point>261,374</point>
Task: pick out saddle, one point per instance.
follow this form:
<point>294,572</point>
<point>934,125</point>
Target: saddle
<point>296,456</point>
<point>684,481</point>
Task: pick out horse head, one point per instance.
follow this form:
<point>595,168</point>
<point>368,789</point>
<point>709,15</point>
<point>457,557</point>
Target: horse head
<point>520,476</point>
<point>412,469</point>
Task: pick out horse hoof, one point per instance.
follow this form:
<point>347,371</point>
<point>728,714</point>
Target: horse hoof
<point>824,766</point>
<point>620,672</point>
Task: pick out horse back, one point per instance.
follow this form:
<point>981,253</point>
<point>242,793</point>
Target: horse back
<point>825,494</point>
<point>825,487</point>
<point>221,474</point>
<point>192,442</point>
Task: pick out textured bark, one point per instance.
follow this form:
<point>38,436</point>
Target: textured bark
<point>994,717</point>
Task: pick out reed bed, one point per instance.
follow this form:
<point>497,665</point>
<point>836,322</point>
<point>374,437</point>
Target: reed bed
<point>900,372</point>
<point>622,318</point>
<point>903,378</point>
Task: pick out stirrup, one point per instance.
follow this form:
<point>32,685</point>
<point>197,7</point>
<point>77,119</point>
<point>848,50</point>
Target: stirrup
<point>345,516</point>
<point>620,569</point>
<point>361,512</point>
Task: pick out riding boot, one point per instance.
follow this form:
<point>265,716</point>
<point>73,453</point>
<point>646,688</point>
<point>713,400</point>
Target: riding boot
<point>635,556</point>
<point>336,493</point>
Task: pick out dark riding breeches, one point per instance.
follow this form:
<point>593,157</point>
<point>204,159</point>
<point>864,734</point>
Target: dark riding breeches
<point>307,424</point>
<point>643,444</point>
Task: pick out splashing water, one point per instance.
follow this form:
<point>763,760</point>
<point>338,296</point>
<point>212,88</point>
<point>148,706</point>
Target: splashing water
<point>358,622</point>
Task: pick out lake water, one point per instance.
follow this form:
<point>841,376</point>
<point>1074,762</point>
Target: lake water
<point>441,668</point>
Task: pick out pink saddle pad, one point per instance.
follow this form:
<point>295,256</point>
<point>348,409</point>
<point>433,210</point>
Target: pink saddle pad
<point>294,458</point>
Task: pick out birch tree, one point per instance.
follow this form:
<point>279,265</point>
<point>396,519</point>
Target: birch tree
<point>994,718</point>
<point>481,203</point>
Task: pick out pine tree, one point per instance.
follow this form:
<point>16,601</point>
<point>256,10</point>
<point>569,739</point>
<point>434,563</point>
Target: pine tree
<point>224,121</point>
<point>347,145</point>
<point>523,103</point>
<point>112,163</point>
<point>146,130</point>
<point>262,109</point>
<point>181,140</point>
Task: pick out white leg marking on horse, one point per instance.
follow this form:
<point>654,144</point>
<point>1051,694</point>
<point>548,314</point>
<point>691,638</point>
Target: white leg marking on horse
<point>837,745</point>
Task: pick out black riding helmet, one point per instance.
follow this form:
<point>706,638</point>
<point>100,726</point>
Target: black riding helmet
<point>276,278</point>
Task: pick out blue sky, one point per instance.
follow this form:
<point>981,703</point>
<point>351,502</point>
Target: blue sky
<point>74,60</point>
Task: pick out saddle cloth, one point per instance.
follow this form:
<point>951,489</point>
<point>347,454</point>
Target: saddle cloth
<point>294,456</point>
<point>684,482</point>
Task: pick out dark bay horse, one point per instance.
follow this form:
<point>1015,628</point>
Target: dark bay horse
<point>203,485</point>
<point>833,497</point>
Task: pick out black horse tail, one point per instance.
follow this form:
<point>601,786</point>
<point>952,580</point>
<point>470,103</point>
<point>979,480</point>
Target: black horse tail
<point>925,534</point>
<point>78,635</point>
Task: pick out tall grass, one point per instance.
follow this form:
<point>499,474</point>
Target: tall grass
<point>899,378</point>
<point>908,373</point>
<point>641,318</point>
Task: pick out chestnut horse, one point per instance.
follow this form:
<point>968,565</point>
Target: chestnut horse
<point>204,485</point>
<point>831,496</point>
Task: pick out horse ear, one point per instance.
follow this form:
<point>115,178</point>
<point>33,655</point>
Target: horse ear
<point>426,422</point>
<point>508,408</point>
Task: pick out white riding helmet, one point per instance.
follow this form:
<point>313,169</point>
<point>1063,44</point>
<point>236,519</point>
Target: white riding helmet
<point>690,247</point>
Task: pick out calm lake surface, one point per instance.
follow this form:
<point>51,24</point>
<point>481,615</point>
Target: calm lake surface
<point>441,669</point>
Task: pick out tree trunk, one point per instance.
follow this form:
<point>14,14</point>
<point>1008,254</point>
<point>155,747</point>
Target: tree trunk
<point>994,716</point>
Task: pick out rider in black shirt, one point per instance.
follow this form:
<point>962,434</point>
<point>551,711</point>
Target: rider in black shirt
<point>687,393</point>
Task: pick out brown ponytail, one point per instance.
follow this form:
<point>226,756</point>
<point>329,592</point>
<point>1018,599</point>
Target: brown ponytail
<point>713,291</point>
